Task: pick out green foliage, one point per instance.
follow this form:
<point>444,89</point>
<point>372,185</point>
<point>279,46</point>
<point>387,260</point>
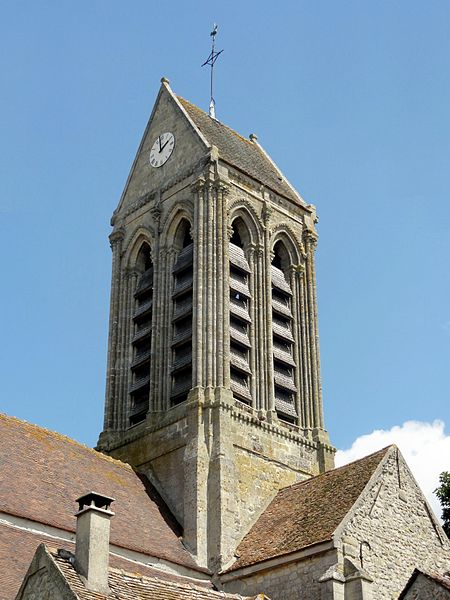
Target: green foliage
<point>443,493</point>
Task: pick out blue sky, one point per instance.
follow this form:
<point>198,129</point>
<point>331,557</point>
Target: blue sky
<point>350,98</point>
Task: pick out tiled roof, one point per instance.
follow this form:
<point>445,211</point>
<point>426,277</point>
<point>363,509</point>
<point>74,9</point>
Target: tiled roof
<point>240,152</point>
<point>42,474</point>
<point>306,513</point>
<point>17,548</point>
<point>129,586</point>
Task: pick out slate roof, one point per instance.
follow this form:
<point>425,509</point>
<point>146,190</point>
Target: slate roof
<point>434,579</point>
<point>129,586</point>
<point>17,548</point>
<point>306,513</point>
<point>241,153</point>
<point>42,474</point>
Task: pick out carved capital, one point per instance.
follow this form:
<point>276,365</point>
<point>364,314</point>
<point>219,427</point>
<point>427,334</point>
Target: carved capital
<point>116,237</point>
<point>259,250</point>
<point>266,213</point>
<point>222,186</point>
<point>167,252</point>
<point>156,214</point>
<point>130,272</point>
<point>198,185</point>
<point>250,250</point>
<point>310,239</point>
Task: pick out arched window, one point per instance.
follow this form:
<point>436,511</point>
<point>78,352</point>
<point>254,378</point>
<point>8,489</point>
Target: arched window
<point>141,342</point>
<point>240,321</point>
<point>283,340</point>
<point>181,369</point>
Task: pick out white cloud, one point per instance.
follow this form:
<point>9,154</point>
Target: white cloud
<point>425,446</point>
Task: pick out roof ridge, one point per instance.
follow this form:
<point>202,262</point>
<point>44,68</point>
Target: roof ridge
<point>66,438</point>
<point>335,470</point>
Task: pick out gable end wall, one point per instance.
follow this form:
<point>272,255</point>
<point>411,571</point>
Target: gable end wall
<point>393,530</point>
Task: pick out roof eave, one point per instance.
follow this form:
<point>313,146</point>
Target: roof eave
<point>245,571</point>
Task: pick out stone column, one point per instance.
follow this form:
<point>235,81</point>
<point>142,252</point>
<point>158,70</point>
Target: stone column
<point>222,291</point>
<point>253,339</point>
<point>305,351</point>
<point>311,242</point>
<point>131,277</point>
<point>160,301</point>
<point>167,331</point>
<point>209,284</point>
<point>152,401</point>
<point>116,239</point>
<point>294,283</point>
<point>260,328</point>
<point>198,190</point>
<point>225,268</point>
<point>268,339</point>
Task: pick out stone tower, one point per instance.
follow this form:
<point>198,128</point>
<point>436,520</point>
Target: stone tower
<point>213,379</point>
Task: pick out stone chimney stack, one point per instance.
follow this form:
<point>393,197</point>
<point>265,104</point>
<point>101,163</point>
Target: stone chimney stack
<point>92,540</point>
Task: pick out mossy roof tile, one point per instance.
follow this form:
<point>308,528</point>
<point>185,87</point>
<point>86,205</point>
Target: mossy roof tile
<point>306,513</point>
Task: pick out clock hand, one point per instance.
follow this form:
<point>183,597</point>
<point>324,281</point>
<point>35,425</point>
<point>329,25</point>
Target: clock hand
<point>159,140</point>
<point>165,145</point>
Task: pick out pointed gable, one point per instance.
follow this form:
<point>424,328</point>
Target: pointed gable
<point>190,149</point>
<point>245,155</point>
<point>425,585</point>
<point>306,513</point>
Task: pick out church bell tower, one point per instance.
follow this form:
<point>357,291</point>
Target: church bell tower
<point>213,379</point>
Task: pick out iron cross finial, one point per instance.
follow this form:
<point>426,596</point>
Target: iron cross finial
<point>210,61</point>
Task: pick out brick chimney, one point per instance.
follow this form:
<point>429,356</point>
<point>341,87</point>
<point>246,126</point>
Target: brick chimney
<point>92,540</point>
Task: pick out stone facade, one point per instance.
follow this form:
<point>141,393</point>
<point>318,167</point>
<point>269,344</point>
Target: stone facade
<point>424,587</point>
<point>291,579</point>
<point>389,532</point>
<point>392,530</point>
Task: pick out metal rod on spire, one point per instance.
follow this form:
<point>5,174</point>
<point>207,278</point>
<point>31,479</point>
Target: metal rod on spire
<point>210,61</point>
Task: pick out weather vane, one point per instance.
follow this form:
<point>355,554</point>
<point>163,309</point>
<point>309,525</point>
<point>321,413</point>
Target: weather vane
<point>210,61</point>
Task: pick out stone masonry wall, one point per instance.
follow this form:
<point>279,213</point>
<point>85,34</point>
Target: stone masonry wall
<point>43,581</point>
<point>424,588</point>
<point>267,457</point>
<point>394,532</point>
<point>189,149</point>
<point>294,581</point>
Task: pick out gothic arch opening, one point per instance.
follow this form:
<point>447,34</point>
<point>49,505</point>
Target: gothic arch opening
<point>142,337</point>
<point>240,320</point>
<point>282,335</point>
<point>181,343</point>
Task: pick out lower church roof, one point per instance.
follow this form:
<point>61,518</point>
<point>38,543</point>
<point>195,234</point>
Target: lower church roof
<point>306,513</point>
<point>130,586</point>
<point>41,475</point>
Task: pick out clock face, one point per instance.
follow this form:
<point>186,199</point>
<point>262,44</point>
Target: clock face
<point>162,149</point>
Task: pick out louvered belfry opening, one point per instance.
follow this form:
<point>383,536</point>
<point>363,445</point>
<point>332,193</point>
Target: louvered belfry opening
<point>283,340</point>
<point>240,320</point>
<point>141,341</point>
<point>183,274</point>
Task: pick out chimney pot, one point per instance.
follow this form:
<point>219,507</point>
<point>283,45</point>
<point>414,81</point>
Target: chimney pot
<point>92,540</point>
